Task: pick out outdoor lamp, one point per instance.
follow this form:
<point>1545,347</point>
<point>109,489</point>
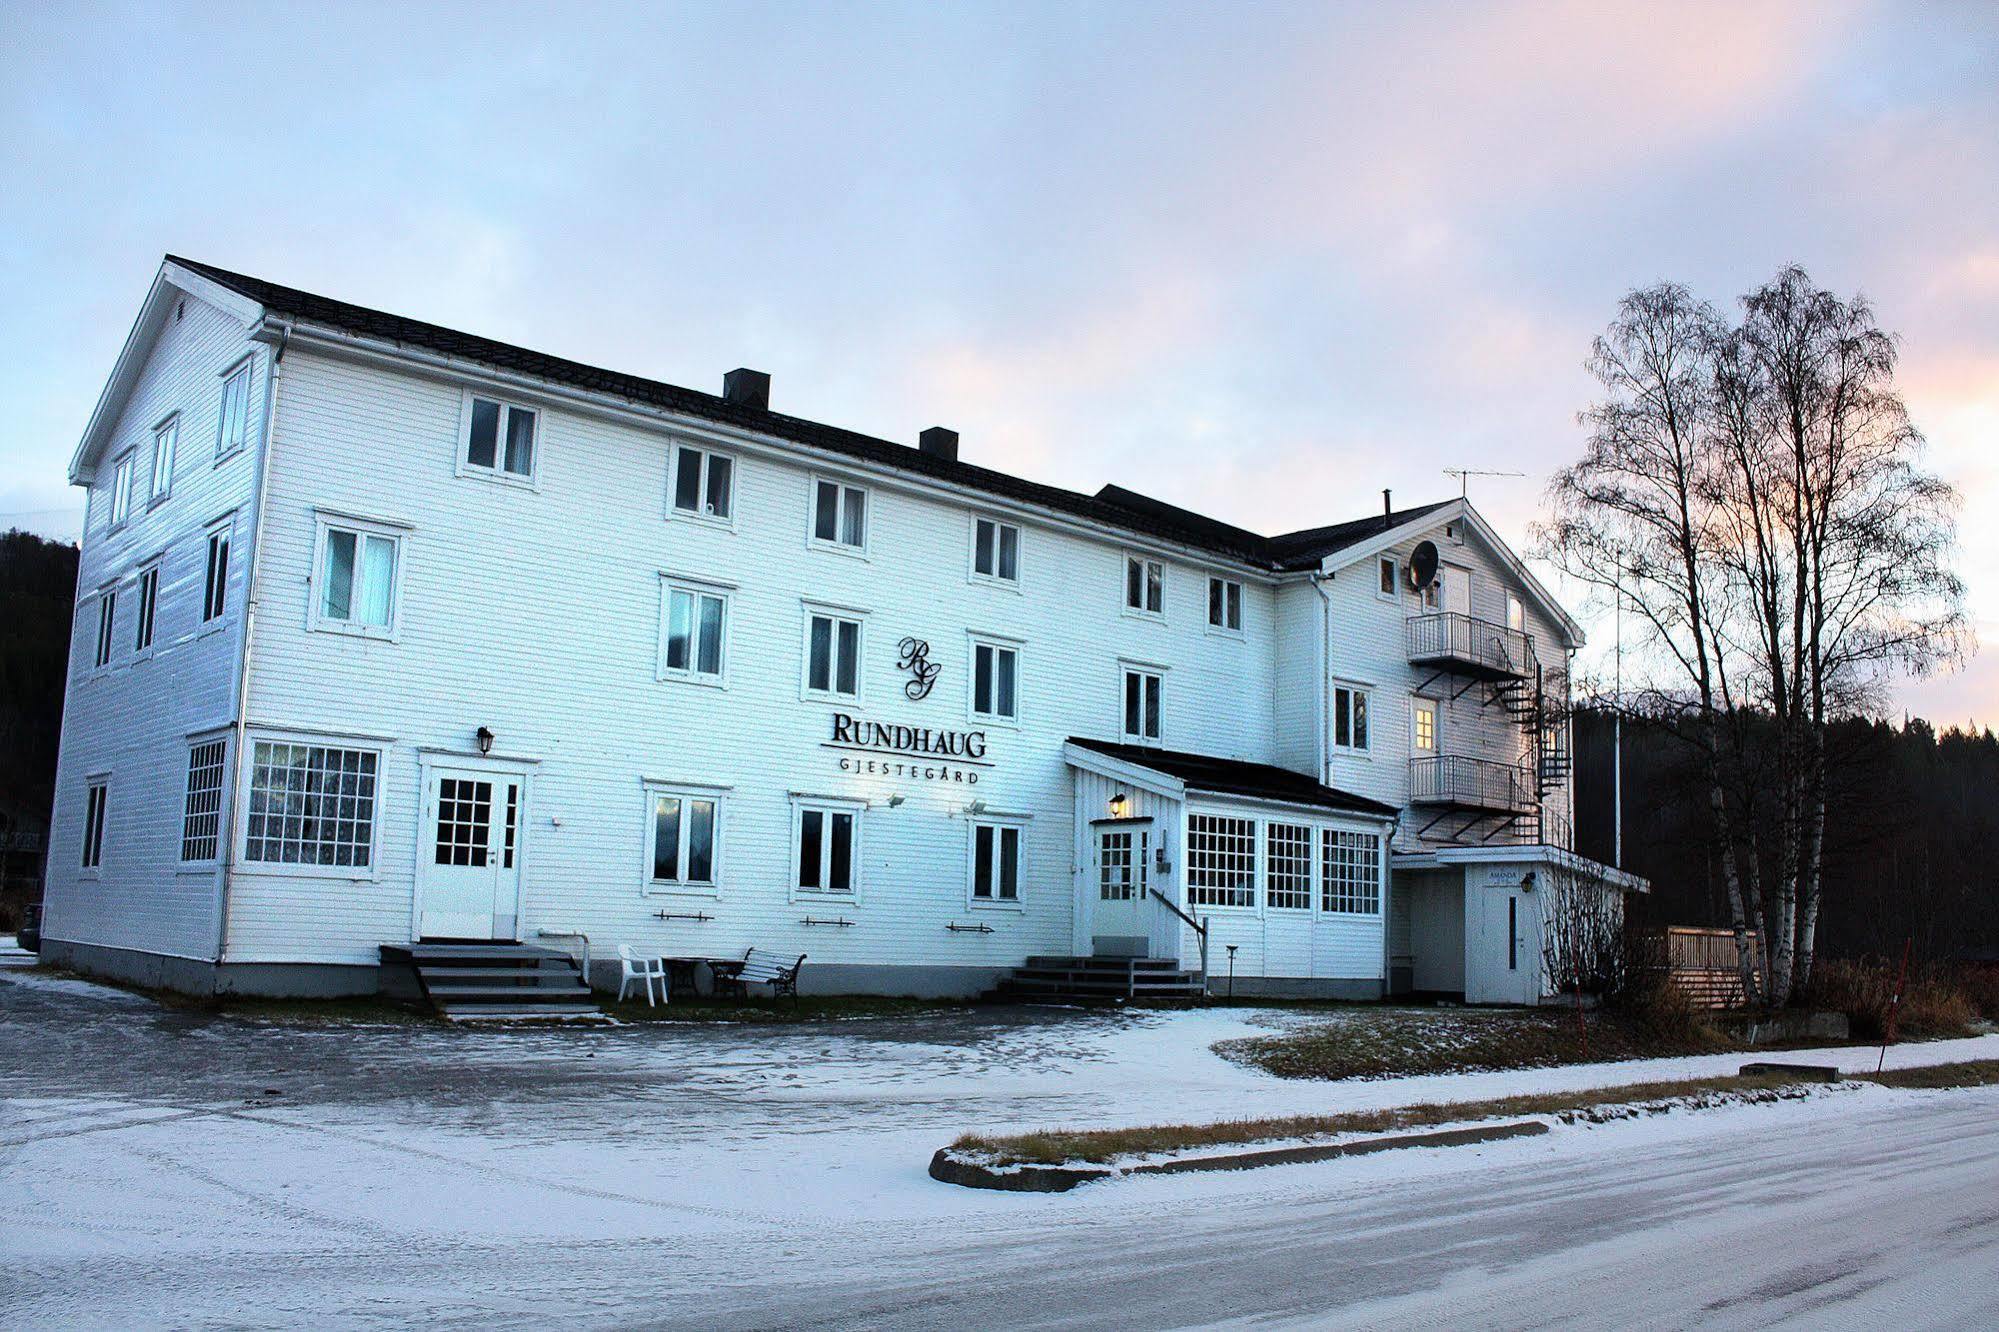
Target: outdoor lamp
<point>1118,803</point>
<point>485,738</point>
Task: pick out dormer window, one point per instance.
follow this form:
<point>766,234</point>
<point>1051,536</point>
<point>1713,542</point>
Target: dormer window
<point>500,440</point>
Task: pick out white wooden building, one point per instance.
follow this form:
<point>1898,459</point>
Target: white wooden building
<point>386,632</point>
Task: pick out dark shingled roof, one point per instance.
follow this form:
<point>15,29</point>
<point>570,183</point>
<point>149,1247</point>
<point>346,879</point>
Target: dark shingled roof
<point>1220,776</point>
<point>1113,506</point>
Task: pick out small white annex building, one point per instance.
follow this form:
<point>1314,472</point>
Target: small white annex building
<point>389,633</point>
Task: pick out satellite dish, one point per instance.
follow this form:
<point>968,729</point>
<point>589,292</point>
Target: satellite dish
<point>1423,565</point>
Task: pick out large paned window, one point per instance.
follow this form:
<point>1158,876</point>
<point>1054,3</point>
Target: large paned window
<point>95,800</point>
<point>232,428</point>
<point>215,581</point>
<point>683,837</point>
<point>704,483</point>
<point>693,632</point>
<point>826,837</point>
<point>1349,717</point>
<point>995,681</point>
<point>311,804</point>
<point>832,655</point>
<point>166,438</point>
<point>1350,872</point>
<point>1225,605</point>
<point>1287,859</point>
<point>995,863</point>
<point>149,605</point>
<point>1221,861</point>
<point>201,817</point>
<point>107,620</point>
<point>1144,585</point>
<point>996,551</point>
<point>1143,703</point>
<point>357,579</point>
<point>500,439</point>
<point>839,515</point>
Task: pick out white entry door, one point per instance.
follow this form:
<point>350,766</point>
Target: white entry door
<point>1457,589</point>
<point>1124,853</point>
<point>468,864</point>
<point>1503,940</point>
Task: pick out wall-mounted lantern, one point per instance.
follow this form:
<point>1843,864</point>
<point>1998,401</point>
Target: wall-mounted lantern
<point>1119,803</point>
<point>485,737</point>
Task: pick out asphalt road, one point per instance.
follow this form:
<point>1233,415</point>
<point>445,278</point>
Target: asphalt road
<point>147,1180</point>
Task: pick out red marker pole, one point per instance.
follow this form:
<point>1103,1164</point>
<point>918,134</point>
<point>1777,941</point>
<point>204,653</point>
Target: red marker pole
<point>1894,1005</point>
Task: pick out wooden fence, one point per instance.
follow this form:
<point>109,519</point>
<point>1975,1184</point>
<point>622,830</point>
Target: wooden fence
<point>1701,964</point>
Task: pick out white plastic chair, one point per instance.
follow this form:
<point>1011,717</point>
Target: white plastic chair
<point>644,970</point>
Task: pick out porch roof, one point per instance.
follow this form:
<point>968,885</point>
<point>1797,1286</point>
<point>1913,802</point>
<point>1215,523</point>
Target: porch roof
<point>1204,774</point>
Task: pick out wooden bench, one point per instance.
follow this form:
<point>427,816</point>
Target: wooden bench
<point>758,967</point>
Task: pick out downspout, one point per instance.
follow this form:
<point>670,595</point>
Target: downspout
<point>241,726</point>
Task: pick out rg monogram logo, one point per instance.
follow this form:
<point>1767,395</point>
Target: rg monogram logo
<point>913,655</point>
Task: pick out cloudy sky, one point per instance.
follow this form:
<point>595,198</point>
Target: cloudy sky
<point>1259,260</point>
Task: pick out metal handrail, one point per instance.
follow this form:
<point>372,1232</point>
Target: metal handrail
<point>1200,929</point>
<point>1461,637</point>
<point>1459,779</point>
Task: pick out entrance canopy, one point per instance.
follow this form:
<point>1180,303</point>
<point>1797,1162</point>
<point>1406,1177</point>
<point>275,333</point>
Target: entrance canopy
<point>1526,857</point>
<point>1179,773</point>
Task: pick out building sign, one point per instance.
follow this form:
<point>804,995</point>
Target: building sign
<point>913,655</point>
<point>924,753</point>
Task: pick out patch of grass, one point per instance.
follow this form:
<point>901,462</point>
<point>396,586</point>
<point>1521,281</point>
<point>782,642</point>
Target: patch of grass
<point>1975,1073</point>
<point>1401,1042</point>
<point>810,1008</point>
<point>1096,1146</point>
<point>1937,1001</point>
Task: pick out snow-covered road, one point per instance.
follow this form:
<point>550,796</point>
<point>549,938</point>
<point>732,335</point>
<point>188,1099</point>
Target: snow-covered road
<point>711,1177</point>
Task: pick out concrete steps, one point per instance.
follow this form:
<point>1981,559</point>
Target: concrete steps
<point>495,981</point>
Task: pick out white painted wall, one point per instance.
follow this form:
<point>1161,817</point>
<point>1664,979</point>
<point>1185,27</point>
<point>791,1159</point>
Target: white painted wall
<point>133,720</point>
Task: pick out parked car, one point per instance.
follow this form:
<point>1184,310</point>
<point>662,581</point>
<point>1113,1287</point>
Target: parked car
<point>29,936</point>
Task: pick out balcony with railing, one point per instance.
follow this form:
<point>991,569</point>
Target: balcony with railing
<point>1467,645</point>
<point>1455,781</point>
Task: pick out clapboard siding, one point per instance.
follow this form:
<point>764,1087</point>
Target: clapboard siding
<point>133,719</point>
<point>536,613</point>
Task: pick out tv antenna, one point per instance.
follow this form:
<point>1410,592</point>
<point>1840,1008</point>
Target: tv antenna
<point>1464,475</point>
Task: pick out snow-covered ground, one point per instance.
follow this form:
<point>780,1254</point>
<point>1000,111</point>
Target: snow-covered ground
<point>166,1168</point>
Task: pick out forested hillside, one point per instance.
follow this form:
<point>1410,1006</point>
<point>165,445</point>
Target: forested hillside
<point>37,595</point>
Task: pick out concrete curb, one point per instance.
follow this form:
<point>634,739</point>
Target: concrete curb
<point>951,1169</point>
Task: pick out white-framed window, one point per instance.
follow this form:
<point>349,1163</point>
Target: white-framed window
<point>360,577</point>
<point>1516,613</point>
<point>232,425</point>
<point>1144,705</point>
<point>1388,573</point>
<point>1433,595</point>
<point>96,798</point>
<point>166,439</point>
<point>201,816</point>
<point>995,680</point>
<point>1144,586</point>
<point>826,838</point>
<point>1225,605</point>
<point>703,484</point>
<point>1350,718</point>
<point>149,605</point>
<point>1350,872</point>
<point>995,878</point>
<point>1221,861</point>
<point>311,804</point>
<point>683,839</point>
<point>1287,866</point>
<point>121,491</point>
<point>1423,725</point>
<point>995,551</point>
<point>693,631</point>
<point>839,515</point>
<point>832,655</point>
<point>215,578</point>
<point>500,440</point>
<point>107,622</point>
